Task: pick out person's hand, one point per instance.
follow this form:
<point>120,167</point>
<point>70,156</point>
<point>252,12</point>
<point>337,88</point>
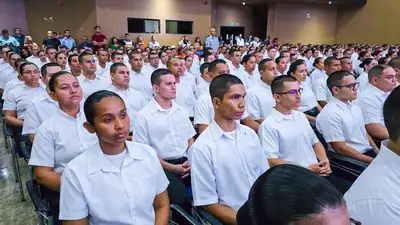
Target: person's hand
<point>315,167</point>
<point>325,168</point>
<point>186,165</point>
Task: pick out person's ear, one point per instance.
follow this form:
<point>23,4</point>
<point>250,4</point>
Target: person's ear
<point>277,98</point>
<point>216,103</point>
<point>89,127</point>
<point>335,91</point>
<point>53,96</point>
<point>112,76</point>
<point>156,88</point>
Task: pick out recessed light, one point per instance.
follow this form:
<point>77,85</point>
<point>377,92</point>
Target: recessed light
<point>329,3</point>
<point>244,3</point>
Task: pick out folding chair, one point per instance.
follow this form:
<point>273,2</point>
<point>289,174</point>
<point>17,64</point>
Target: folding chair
<point>175,209</point>
<point>42,209</point>
<point>204,217</point>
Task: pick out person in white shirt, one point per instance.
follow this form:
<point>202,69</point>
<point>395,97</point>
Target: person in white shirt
<point>15,104</point>
<point>43,59</point>
<point>341,121</point>
<point>165,126</point>
<point>363,80</point>
<point>184,85</point>
<point>114,181</point>
<point>55,146</point>
<point>89,81</point>
<point>154,61</point>
<point>51,54</point>
<point>75,67</point>
<point>128,43</point>
<point>140,78</point>
<point>309,60</point>
<point>34,58</point>
<point>11,72</point>
<point>235,67</point>
<point>286,135</point>
<point>271,53</point>
<point>248,75</point>
<point>259,99</point>
<point>103,66</point>
<point>395,64</point>
<point>227,157</point>
<point>331,65</point>
<point>373,197</point>
<point>203,109</point>
<point>184,42</point>
<point>362,56</point>
<point>133,99</point>
<point>382,80</point>
<point>204,80</point>
<point>240,40</point>
<point>163,60</point>
<point>19,80</point>
<point>153,43</point>
<point>346,64</point>
<point>208,57</point>
<point>282,65</point>
<point>61,60</point>
<point>41,109</point>
<point>309,105</point>
<point>317,74</point>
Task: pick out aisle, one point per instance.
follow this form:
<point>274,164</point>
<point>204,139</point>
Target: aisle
<point>12,210</point>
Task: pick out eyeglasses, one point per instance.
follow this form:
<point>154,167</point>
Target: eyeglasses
<point>292,92</point>
<point>354,222</point>
<point>350,86</point>
<point>90,61</point>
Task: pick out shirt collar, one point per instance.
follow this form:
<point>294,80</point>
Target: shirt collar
<point>278,116</point>
<point>155,107</point>
<point>218,132</point>
<point>99,162</point>
<point>341,104</point>
<point>391,159</point>
<point>377,91</point>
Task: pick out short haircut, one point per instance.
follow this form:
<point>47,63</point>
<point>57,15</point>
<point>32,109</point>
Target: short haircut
<point>204,66</point>
<point>246,58</point>
<point>67,30</point>
<point>25,64</point>
<point>270,48</point>
<point>382,60</point>
<point>80,58</point>
<point>43,70</point>
<point>89,106</point>
<point>114,67</point>
<point>336,79</point>
<point>70,58</point>
<point>114,54</point>
<point>344,58</point>
<point>317,60</point>
<point>206,55</point>
<point>59,53</point>
<point>49,48</point>
<point>157,74</point>
<point>213,65</point>
<point>278,84</point>
<point>329,61</point>
<point>220,85</point>
<point>395,62</point>
<point>54,78</point>
<point>19,61</point>
<point>376,71</point>
<point>262,64</point>
<point>391,112</point>
<point>133,52</point>
<point>277,60</point>
<point>305,192</point>
<point>293,66</point>
<point>232,51</point>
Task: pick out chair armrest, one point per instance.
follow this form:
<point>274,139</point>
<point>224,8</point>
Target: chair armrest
<point>207,216</point>
<point>184,214</point>
<point>32,187</point>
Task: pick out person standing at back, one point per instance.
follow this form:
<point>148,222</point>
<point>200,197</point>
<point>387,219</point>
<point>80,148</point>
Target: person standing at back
<point>212,40</point>
<point>99,40</point>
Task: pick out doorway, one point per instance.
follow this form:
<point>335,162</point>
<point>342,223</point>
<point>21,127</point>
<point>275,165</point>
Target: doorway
<point>230,33</point>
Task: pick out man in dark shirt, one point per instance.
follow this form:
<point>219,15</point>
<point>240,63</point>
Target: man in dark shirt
<point>51,41</point>
<point>98,39</point>
<point>19,36</point>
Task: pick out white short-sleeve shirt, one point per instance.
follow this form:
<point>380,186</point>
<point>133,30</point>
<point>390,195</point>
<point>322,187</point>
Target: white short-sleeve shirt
<point>38,111</point>
<point>166,130</point>
<point>363,81</point>
<point>249,80</point>
<point>315,76</point>
<point>185,93</point>
<point>235,71</point>
<point>202,87</point>
<point>141,82</point>
<point>91,86</point>
<point>204,110</point>
<point>289,138</point>
<point>224,165</point>
<point>371,102</point>
<point>6,76</point>
<point>59,140</point>
<point>93,187</point>
<point>19,98</point>
<point>374,198</point>
<point>308,99</point>
<point>10,86</point>
<point>323,92</point>
<point>343,122</point>
<point>103,72</point>
<point>134,101</point>
<point>259,101</point>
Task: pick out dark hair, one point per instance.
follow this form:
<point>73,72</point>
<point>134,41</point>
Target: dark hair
<point>376,71</point>
<point>366,62</point>
<point>48,48</point>
<point>19,61</point>
<point>13,53</point>
<point>328,61</point>
<point>262,64</point>
<point>97,27</point>
<point>206,55</point>
<point>187,56</point>
<point>114,54</point>
<point>278,84</point>
<point>277,60</point>
<point>59,53</point>
<point>391,112</point>
<point>377,52</point>
<point>336,79</point>
<point>204,66</point>
<point>246,58</point>
<point>317,60</point>
<point>70,58</point>
<point>220,85</point>
<point>213,65</point>
<point>23,65</point>
<point>156,76</point>
<point>382,61</point>
<point>289,193</point>
<point>395,62</point>
<point>232,51</point>
<point>293,67</point>
<point>43,70</point>
<point>115,66</point>
<point>80,58</point>
<point>90,104</point>
<point>133,52</point>
<point>53,80</point>
<point>362,54</point>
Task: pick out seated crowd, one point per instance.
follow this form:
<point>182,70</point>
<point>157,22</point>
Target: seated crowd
<point>240,129</point>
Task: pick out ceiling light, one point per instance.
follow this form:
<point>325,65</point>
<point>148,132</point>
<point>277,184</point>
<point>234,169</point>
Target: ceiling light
<point>329,3</point>
<point>244,3</point>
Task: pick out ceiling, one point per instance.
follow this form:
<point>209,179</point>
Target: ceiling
<point>259,2</point>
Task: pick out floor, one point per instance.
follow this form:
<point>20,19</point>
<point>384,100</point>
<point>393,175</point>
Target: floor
<point>13,211</point>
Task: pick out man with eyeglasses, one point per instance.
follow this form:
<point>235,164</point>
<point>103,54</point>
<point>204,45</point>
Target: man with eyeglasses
<point>382,80</point>
<point>286,135</point>
<point>341,121</point>
<point>154,61</point>
<point>88,80</point>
